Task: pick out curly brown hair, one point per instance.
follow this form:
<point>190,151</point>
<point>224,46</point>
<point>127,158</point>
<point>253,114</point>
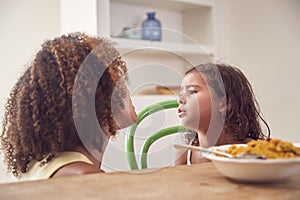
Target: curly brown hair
<point>243,116</point>
<point>39,118</point>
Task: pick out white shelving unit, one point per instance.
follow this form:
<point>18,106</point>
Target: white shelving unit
<point>187,36</point>
<point>187,39</point>
<point>183,21</point>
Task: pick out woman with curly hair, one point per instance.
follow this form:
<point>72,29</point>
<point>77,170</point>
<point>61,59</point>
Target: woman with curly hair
<point>217,102</point>
<point>64,108</point>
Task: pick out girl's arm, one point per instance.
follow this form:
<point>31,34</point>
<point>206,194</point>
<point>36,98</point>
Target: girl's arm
<point>181,157</point>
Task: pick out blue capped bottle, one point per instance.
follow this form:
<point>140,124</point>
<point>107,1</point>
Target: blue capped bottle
<point>151,28</point>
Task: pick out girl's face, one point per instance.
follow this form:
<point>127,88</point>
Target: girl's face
<point>195,103</point>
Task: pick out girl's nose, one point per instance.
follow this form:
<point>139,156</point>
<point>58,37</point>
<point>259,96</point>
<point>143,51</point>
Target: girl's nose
<point>181,99</point>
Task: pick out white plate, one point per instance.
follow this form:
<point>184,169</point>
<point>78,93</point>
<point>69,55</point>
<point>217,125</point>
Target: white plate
<point>255,170</point>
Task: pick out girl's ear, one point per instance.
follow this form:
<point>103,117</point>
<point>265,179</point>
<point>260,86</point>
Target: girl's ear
<point>223,105</point>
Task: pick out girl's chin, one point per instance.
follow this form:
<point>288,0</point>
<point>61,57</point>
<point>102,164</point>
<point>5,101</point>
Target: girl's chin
<point>188,125</point>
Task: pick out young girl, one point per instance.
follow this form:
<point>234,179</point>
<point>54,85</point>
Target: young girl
<point>64,108</point>
<point>217,101</point>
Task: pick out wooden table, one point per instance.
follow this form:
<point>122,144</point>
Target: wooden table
<point>198,181</point>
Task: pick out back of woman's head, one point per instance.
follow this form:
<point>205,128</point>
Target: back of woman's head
<point>39,119</point>
<point>242,114</point>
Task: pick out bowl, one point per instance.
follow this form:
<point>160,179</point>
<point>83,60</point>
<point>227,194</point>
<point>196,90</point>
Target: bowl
<point>255,170</point>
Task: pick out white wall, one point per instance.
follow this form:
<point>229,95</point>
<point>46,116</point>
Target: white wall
<point>263,38</point>
<point>72,18</point>
<point>24,26</point>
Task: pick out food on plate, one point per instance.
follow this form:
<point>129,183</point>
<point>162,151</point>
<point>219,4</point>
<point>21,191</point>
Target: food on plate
<point>270,148</point>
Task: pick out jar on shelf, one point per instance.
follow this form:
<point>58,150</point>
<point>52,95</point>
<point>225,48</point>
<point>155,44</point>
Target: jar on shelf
<point>151,28</point>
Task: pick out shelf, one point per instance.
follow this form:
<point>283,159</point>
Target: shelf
<point>181,5</point>
<point>183,21</point>
<point>125,45</point>
<point>193,3</point>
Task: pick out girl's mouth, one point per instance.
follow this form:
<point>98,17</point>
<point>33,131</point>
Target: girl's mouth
<point>181,113</point>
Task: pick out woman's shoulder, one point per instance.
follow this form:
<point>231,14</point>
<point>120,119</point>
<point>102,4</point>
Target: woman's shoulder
<point>63,164</point>
<point>76,168</point>
<point>74,163</point>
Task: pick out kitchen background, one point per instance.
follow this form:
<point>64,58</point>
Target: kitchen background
<point>262,37</point>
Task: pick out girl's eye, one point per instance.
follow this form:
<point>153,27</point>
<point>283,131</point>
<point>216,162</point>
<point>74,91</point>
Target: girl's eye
<point>192,91</point>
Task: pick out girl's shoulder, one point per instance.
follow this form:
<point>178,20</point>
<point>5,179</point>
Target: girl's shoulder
<point>246,141</point>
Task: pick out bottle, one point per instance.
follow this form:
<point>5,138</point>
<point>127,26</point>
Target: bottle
<point>151,28</point>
